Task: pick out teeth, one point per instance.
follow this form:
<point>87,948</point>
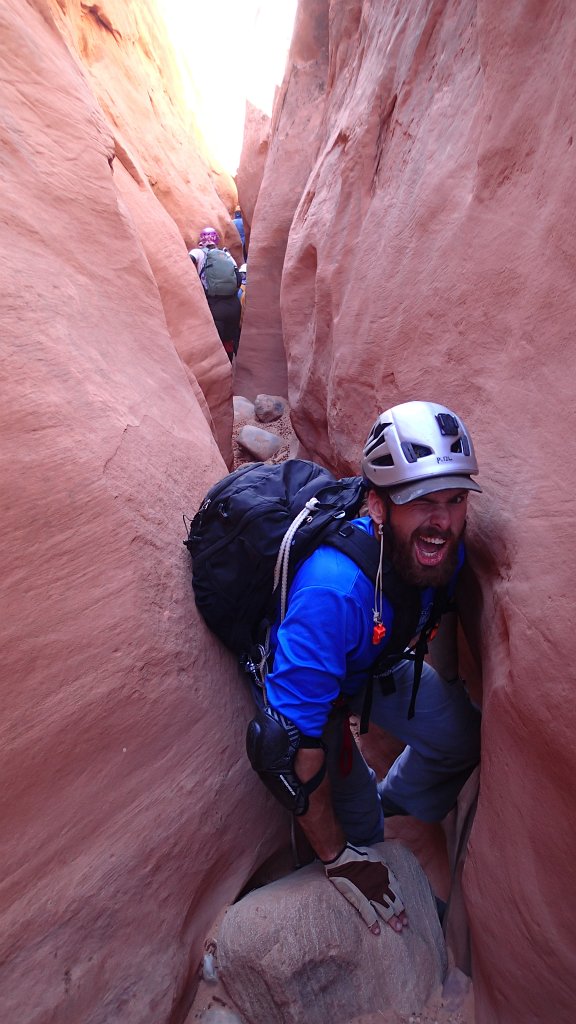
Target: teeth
<point>433,540</point>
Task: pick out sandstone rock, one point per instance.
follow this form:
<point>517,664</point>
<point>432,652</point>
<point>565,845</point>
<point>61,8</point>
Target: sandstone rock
<point>163,174</point>
<point>243,409</point>
<point>299,106</point>
<point>252,161</point>
<point>135,74</point>
<point>187,314</point>
<point>260,444</point>
<point>122,768</point>
<point>220,1015</point>
<point>296,951</point>
<point>455,989</point>
<point>269,408</point>
<point>456,170</point>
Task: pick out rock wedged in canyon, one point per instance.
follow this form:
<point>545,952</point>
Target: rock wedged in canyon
<point>297,951</point>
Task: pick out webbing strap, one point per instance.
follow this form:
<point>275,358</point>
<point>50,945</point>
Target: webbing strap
<point>419,651</point>
<point>367,705</point>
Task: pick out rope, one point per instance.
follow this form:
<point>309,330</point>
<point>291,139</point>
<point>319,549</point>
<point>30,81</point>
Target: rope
<point>283,560</point>
<point>281,575</point>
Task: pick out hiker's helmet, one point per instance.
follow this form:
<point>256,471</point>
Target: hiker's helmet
<point>417,448</point>
<point>209,236</point>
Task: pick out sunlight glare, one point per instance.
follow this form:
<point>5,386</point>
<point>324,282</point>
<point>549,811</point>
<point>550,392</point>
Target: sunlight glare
<point>228,53</point>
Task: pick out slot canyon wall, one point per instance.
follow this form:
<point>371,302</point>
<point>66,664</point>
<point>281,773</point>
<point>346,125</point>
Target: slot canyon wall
<point>122,727</point>
<point>423,155</point>
<point>415,228</point>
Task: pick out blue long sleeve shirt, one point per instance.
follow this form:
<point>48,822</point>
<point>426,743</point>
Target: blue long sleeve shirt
<point>324,648</point>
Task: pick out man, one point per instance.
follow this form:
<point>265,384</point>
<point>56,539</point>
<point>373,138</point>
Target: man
<point>221,280</point>
<point>417,463</point>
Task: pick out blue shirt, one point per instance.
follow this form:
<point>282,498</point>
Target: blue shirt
<point>324,645</point>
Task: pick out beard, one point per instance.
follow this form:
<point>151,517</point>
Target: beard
<point>412,572</point>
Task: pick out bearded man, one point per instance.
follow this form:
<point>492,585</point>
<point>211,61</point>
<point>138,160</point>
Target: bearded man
<point>331,649</point>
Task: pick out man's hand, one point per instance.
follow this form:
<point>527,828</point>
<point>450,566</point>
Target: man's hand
<point>366,882</point>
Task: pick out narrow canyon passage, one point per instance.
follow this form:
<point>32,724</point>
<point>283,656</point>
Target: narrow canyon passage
<point>407,198</point>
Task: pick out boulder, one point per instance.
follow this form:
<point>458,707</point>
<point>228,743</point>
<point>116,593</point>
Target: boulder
<point>260,444</point>
<point>220,1015</point>
<point>297,951</point>
<point>243,409</point>
<point>269,408</point>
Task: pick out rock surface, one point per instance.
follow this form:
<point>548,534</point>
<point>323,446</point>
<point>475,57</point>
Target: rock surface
<point>252,162</point>
<point>163,173</point>
<point>123,721</point>
<point>296,951</point>
<point>243,409</point>
<point>269,408</point>
<point>259,443</point>
<point>454,168</point>
<point>295,123</point>
<point>415,127</point>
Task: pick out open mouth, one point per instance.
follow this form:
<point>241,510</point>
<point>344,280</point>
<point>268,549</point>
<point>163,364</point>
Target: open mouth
<point>431,549</point>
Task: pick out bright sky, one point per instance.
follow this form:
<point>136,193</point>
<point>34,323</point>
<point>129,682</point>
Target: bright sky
<point>230,51</point>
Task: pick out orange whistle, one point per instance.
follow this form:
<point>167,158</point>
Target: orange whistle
<point>378,633</point>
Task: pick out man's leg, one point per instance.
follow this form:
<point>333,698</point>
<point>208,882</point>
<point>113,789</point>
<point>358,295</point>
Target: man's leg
<point>442,743</point>
<point>354,793</point>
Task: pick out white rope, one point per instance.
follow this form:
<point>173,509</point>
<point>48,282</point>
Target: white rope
<point>281,570</point>
<point>283,560</point>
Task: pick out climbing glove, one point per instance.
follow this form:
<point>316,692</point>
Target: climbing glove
<point>365,881</point>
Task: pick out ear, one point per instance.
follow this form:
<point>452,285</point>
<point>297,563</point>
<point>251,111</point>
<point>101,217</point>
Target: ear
<point>376,508</point>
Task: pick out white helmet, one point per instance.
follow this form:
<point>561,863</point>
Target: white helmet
<point>416,448</point>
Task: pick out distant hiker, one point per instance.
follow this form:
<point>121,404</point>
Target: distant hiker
<point>239,224</point>
<point>221,281</point>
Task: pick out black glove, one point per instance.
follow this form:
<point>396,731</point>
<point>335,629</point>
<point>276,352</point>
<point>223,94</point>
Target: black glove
<point>365,881</point>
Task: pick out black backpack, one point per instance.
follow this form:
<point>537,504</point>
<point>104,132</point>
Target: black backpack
<point>266,519</point>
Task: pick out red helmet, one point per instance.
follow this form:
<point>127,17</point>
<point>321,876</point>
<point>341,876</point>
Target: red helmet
<point>209,236</point>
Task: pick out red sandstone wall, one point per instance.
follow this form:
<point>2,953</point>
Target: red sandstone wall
<point>129,58</point>
<point>122,727</point>
<point>165,175</point>
<point>432,255</point>
<point>255,146</point>
<point>295,126</point>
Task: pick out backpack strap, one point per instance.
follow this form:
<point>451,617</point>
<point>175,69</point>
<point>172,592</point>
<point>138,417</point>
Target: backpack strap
<point>364,549</point>
<point>439,606</point>
<point>360,546</point>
